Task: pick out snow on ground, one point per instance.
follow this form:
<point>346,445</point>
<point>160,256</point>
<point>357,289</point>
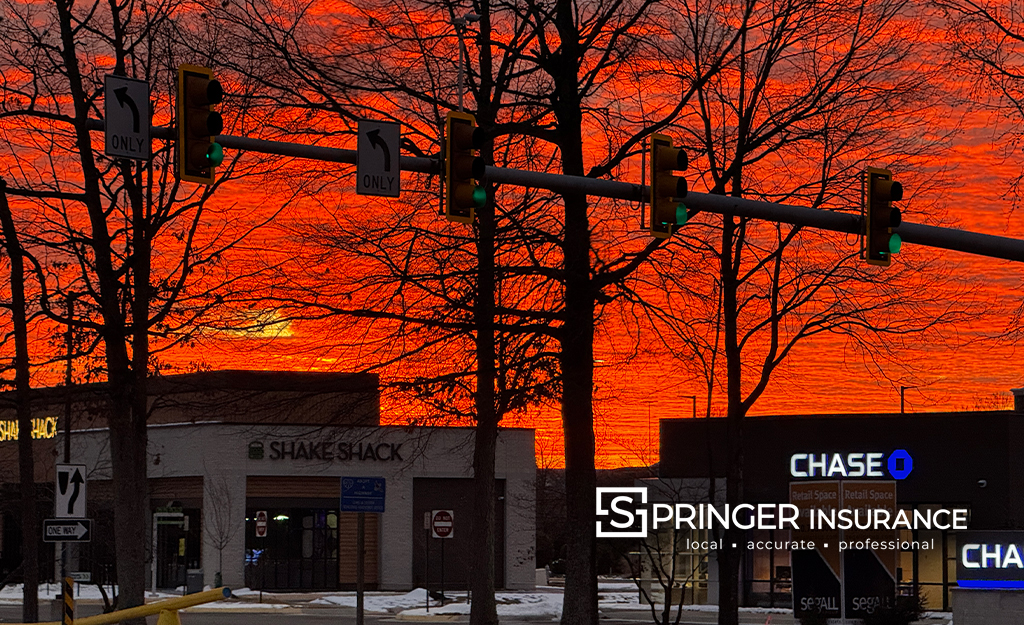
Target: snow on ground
<point>379,601</point>
<point>509,604</point>
<point>237,605</point>
<point>626,585</point>
<point>11,594</point>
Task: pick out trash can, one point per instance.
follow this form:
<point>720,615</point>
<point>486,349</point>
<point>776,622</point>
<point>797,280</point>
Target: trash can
<point>193,581</point>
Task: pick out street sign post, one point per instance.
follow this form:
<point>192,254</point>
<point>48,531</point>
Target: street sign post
<point>67,530</point>
<point>362,495</point>
<point>126,108</point>
<point>378,171</point>
<point>261,524</point>
<point>442,524</point>
<point>69,491</point>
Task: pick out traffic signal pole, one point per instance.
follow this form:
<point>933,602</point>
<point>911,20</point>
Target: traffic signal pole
<point>989,245</point>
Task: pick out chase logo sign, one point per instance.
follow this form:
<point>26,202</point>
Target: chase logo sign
<point>897,465</point>
<point>990,559</point>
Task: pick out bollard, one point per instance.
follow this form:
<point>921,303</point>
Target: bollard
<point>69,601</point>
<point>168,617</point>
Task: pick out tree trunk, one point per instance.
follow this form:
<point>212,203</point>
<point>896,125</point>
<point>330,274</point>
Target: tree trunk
<point>484,611</point>
<point>577,349</point>
<point>126,388</point>
<point>730,557</point>
<point>22,389</point>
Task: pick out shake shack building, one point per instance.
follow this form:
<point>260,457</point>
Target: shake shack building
<point>245,474</point>
<point>949,460</point>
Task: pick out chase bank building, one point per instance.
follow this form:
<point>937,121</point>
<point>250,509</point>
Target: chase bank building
<point>245,479</point>
<point>935,463</point>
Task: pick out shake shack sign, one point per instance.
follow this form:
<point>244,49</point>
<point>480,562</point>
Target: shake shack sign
<point>344,451</point>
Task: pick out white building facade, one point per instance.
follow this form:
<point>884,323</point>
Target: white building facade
<point>259,504</point>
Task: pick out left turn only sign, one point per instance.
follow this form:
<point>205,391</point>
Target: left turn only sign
<point>126,118</point>
<point>377,160</point>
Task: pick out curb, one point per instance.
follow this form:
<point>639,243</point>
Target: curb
<point>241,610</point>
<point>432,618</point>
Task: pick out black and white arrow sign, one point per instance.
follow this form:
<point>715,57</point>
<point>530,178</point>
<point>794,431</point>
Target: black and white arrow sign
<point>67,530</point>
<point>69,491</point>
<point>126,100</point>
<point>126,118</point>
<point>377,158</point>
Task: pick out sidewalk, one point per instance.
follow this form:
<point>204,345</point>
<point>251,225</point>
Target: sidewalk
<point>618,601</point>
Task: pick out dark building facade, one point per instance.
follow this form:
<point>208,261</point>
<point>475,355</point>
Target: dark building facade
<point>969,460</point>
<point>246,472</point>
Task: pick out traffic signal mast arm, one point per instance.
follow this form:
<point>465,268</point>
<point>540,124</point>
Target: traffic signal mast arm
<point>932,236</point>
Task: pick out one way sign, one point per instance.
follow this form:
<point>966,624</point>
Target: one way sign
<point>64,531</point>
<point>69,502</point>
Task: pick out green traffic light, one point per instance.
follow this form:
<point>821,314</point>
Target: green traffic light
<point>895,243</point>
<point>681,214</point>
<point>479,196</point>
<point>215,154</point>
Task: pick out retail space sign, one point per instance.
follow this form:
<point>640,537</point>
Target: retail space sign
<point>826,575</point>
<point>990,559</point>
<point>261,524</point>
<point>442,523</point>
<point>362,494</point>
<point>69,491</point>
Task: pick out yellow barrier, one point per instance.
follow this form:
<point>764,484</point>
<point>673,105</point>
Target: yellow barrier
<point>167,609</point>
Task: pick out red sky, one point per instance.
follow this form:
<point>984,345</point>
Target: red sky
<point>824,374</point>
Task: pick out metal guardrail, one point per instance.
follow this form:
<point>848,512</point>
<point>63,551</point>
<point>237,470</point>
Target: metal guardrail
<point>167,609</point>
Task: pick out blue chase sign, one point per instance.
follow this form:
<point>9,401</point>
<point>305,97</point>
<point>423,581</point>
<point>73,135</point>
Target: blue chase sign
<point>990,559</point>
<point>362,494</point>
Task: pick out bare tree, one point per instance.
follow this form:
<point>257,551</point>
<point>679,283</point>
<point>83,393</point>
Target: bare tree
<point>26,471</point>
<point>805,103</point>
<point>219,526</point>
<point>985,39</point>
<point>123,234</point>
<point>538,70</point>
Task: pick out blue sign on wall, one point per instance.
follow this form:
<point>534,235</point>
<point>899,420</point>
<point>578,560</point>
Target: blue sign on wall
<point>362,494</point>
<point>990,559</point>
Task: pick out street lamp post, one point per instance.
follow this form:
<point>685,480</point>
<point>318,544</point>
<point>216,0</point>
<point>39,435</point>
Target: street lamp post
<point>693,398</point>
<point>460,24</point>
<point>903,390</point>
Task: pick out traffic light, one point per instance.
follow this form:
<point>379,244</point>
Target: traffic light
<point>881,217</point>
<point>667,211</point>
<point>198,153</point>
<point>463,169</point>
